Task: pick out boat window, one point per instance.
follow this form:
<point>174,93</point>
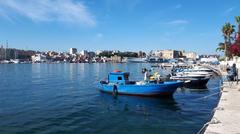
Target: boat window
<point>126,77</point>
<point>119,78</point>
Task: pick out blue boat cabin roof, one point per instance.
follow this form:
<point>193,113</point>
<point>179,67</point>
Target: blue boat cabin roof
<point>118,77</point>
<point>119,73</point>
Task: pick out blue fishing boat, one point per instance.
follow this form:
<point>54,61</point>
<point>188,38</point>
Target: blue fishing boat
<point>118,83</point>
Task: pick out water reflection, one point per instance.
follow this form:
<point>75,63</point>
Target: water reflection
<point>196,90</point>
<point>139,104</point>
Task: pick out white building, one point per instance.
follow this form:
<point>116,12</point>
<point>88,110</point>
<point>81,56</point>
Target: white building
<point>98,52</point>
<point>73,50</point>
<point>167,54</point>
<point>84,53</point>
<point>158,53</point>
<point>190,55</point>
<point>39,58</point>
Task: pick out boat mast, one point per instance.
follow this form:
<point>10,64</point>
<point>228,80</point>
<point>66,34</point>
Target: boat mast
<point>1,51</point>
<point>15,54</point>
<point>6,50</point>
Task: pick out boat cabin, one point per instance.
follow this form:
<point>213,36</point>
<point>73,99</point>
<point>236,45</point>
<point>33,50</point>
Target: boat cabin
<point>118,77</point>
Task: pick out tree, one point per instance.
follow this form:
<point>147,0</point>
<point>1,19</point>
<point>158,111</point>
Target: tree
<point>235,47</point>
<point>227,30</point>
<point>238,32</point>
<point>221,47</point>
<point>238,21</point>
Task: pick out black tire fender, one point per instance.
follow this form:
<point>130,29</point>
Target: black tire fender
<point>115,90</point>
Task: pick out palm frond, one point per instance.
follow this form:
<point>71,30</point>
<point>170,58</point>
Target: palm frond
<point>238,19</point>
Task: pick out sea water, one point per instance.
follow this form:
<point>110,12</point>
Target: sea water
<point>63,98</point>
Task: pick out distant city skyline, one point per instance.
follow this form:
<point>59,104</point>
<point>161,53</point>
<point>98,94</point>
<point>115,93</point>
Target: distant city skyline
<point>125,25</point>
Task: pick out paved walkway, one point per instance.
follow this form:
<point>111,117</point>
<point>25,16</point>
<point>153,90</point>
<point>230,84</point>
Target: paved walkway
<point>226,119</point>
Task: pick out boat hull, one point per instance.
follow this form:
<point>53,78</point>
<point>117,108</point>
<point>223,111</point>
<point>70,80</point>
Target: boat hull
<point>136,60</point>
<point>197,82</point>
<point>165,88</point>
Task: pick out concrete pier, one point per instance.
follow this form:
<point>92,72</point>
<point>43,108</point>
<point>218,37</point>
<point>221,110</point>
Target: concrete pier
<point>226,119</point>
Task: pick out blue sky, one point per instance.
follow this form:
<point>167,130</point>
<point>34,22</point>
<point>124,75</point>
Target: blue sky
<point>192,25</point>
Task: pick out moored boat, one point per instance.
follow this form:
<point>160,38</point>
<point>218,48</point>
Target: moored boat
<point>118,83</point>
<point>135,60</point>
<point>192,81</point>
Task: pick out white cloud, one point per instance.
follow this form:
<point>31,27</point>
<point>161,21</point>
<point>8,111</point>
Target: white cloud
<point>178,22</point>
<point>48,10</point>
<point>229,10</point>
<point>99,35</point>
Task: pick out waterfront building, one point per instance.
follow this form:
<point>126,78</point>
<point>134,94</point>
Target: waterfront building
<point>115,52</point>
<point>141,54</point>
<point>73,51</point>
<point>98,52</point>
<point>157,53</point>
<point>51,53</point>
<point>39,58</point>
<point>116,59</point>
<point>167,54</point>
<point>190,55</point>
<point>91,54</point>
<point>84,53</point>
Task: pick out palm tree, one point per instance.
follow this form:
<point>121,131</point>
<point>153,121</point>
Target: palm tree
<point>221,47</point>
<point>238,22</point>
<point>227,30</point>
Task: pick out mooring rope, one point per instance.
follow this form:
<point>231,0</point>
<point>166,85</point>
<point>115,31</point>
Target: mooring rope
<point>213,121</point>
<point>204,126</point>
<point>210,122</point>
<point>207,96</point>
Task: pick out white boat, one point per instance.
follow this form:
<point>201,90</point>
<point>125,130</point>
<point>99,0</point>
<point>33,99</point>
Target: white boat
<point>193,73</point>
<point>193,81</point>
<point>16,61</point>
<point>182,64</point>
<point>202,69</point>
<point>197,70</point>
<point>197,76</point>
<point>136,60</point>
<point>167,65</point>
<point>155,60</point>
<point>5,61</point>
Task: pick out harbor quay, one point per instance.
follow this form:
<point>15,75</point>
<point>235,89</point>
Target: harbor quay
<point>226,116</point>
